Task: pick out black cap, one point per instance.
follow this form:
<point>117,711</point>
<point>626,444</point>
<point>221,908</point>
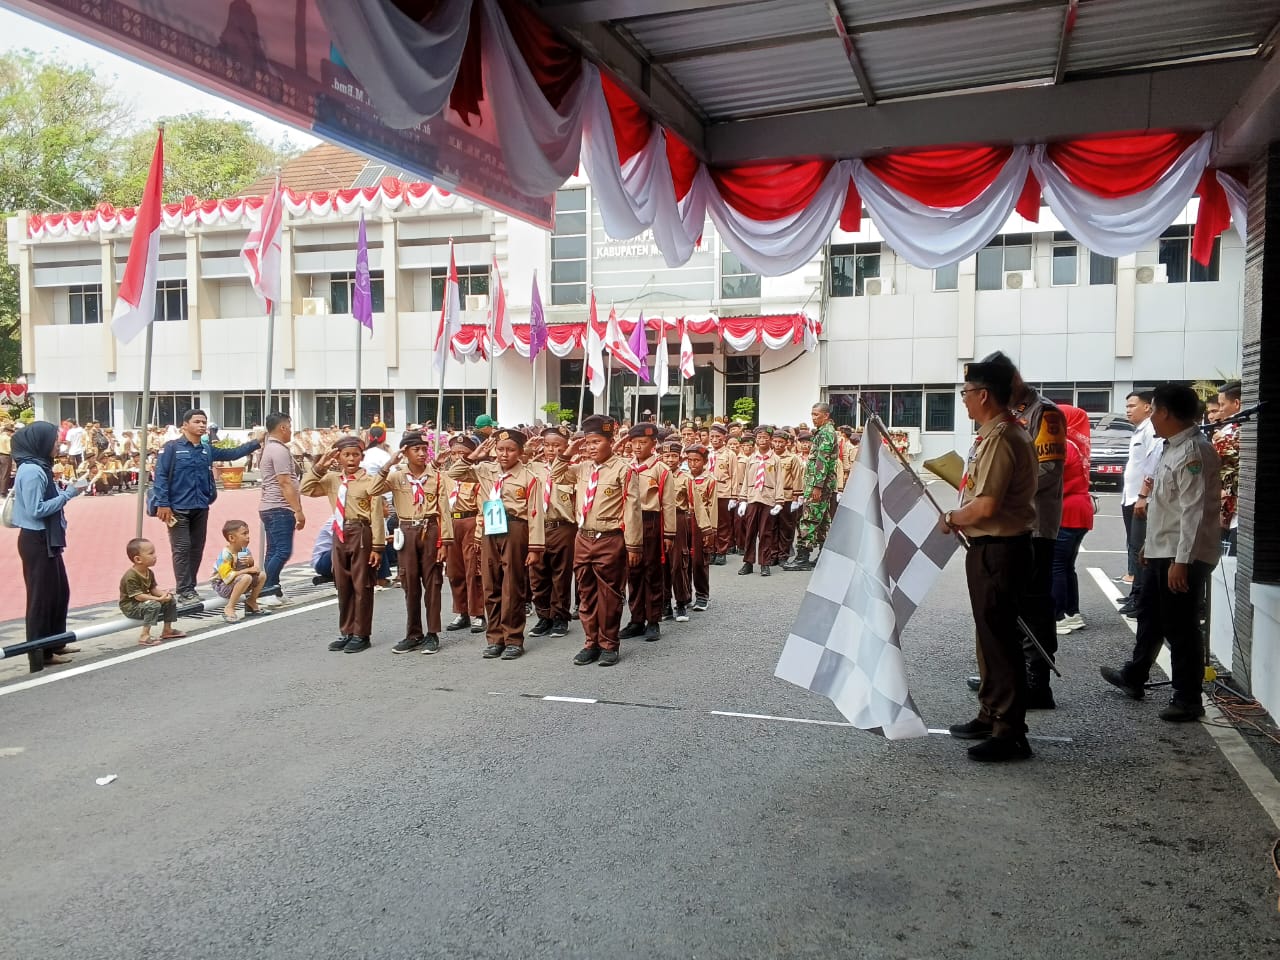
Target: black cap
<point>559,430</point>
<point>697,448</point>
<point>995,373</point>
<point>599,426</point>
<point>344,442</point>
<point>518,437</point>
<point>413,439</point>
<point>672,446</point>
<point>643,430</point>
<point>463,440</point>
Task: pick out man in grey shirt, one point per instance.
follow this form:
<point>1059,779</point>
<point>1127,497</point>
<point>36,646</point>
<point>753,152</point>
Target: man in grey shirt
<point>281,506</point>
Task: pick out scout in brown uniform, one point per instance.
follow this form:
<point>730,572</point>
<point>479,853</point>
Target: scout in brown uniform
<point>784,524</point>
<point>679,582</point>
<point>703,533</point>
<point>511,512</point>
<point>359,535</point>
<point>846,453</point>
<point>658,508</point>
<point>609,540</point>
<point>551,579</point>
<point>422,507</point>
<point>722,464</point>
<point>746,445</point>
<point>759,501</point>
<point>997,511</point>
<point>462,566</point>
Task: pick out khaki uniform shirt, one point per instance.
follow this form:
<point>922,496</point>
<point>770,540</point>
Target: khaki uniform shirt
<point>658,491</point>
<point>561,506</point>
<point>770,492</point>
<point>792,475</point>
<point>1002,464</point>
<point>616,505</point>
<point>521,494</point>
<point>435,504</point>
<point>1183,510</point>
<point>362,502</point>
<point>6,443</point>
<point>461,496</point>
<point>722,465</point>
<point>703,494</point>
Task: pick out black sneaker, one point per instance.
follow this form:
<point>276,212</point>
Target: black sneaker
<point>541,628</point>
<point>608,658</point>
<point>1134,691</point>
<point>668,614</point>
<point>573,614</point>
<point>1040,697</point>
<point>431,644</point>
<point>632,630</point>
<point>652,632</point>
<point>513,653</point>
<point>477,625</point>
<point>973,683</point>
<point>682,613</point>
<point>1179,712</point>
<point>559,628</point>
<point>407,644</point>
<point>188,596</point>
<point>1001,750</point>
<point>745,569</point>
<point>586,655</point>
<point>764,570</point>
<point>357,645</point>
<point>493,651</point>
<point>339,644</point>
<point>700,605</point>
<point>973,730</point>
<point>460,622</point>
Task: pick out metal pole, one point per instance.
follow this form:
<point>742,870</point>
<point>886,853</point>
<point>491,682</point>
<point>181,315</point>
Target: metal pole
<point>488,395</point>
<point>582,386</point>
<point>608,384</point>
<point>266,403</point>
<point>440,408</point>
<point>146,433</point>
<point>359,349</point>
<point>534,386</point>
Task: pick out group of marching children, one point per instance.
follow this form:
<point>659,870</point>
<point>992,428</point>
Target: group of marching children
<point>519,523</point>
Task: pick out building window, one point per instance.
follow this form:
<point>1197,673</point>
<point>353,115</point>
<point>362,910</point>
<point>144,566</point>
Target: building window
<point>472,281</point>
<point>1102,270</point>
<point>1089,397</point>
<point>240,411</point>
<point>741,379</point>
<point>166,409</point>
<point>736,281</point>
<point>569,248</point>
<point>1003,255</point>
<point>461,407</point>
<point>570,384</point>
<point>86,304</point>
<point>947,278</point>
<point>339,409</point>
<point>1094,400</point>
<point>1175,254</point>
<point>342,286</point>
<point>852,264</point>
<point>171,300</point>
<point>1066,261</point>
<point>929,408</point>
<point>87,408</point>
<point>940,410</point>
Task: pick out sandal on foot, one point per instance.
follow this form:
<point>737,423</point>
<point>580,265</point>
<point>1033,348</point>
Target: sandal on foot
<point>230,618</point>
<point>174,635</point>
<point>149,642</point>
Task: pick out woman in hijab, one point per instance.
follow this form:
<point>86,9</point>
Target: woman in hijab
<point>37,510</point>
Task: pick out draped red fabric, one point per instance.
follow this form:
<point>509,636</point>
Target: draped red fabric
<point>554,64</point>
<point>1119,166</point>
<point>631,125</point>
<point>683,163</point>
<point>1212,218</point>
<point>775,325</point>
<point>950,177</point>
<point>1028,205</point>
<point>851,213</point>
<point>770,191</point>
<point>468,87</point>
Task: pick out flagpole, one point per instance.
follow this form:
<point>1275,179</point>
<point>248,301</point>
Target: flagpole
<point>146,433</point>
<point>488,394</point>
<point>608,382</point>
<point>440,410</point>
<point>359,350</point>
<point>582,386</point>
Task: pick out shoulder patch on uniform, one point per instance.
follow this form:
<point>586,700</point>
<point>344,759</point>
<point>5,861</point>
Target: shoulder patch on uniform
<point>1194,467</point>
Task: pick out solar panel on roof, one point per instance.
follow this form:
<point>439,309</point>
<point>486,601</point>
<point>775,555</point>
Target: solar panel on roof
<point>371,175</point>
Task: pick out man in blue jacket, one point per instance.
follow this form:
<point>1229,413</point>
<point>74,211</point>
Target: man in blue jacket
<point>183,490</point>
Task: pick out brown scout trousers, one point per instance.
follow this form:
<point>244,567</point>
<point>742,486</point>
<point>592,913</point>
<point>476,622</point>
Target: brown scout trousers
<point>679,562</point>
<point>700,562</point>
<point>420,575</point>
<point>784,531</point>
<point>600,569</point>
<point>551,578</point>
<point>998,570</point>
<point>354,578</point>
<point>724,541</point>
<point>506,583</point>
<point>462,566</point>
<point>645,582</point>
<point>758,535</point>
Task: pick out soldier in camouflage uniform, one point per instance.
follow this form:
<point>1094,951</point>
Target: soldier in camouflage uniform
<point>819,489</point>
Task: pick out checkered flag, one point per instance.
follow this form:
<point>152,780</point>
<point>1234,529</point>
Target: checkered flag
<point>881,557</point>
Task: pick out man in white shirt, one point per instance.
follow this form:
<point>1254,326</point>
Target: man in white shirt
<point>75,443</point>
<point>1182,547</point>
<point>1144,454</point>
<point>377,456</point>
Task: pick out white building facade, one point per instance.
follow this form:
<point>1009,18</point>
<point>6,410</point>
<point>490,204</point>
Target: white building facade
<point>1086,328</point>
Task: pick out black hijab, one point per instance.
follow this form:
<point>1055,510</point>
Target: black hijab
<point>34,444</point>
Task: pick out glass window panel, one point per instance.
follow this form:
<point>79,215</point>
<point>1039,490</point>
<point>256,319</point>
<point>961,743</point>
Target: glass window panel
<point>1017,257</point>
<point>568,223</point>
<point>1094,401</point>
<point>740,287</point>
<point>939,412</point>
<point>340,293</point>
<point>233,411</point>
<point>437,289</point>
<point>568,294</point>
<point>879,401</point>
<point>568,248</point>
<point>377,291</point>
<point>947,278</point>
<point>1174,254</point>
<point>842,277</point>
<point>1209,272</point>
<point>1064,266</point>
<point>93,306</point>
<point>569,271</point>
<point>905,411</point>
<point>1102,270</point>
<point>991,268</point>
<point>572,199</point>
<point>844,408</point>
<point>253,410</point>
<point>742,369</point>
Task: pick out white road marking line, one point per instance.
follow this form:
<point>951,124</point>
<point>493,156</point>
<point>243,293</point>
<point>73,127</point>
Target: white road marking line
<point>1083,550</point>
<point>765,716</point>
<point>11,751</point>
<point>571,699</point>
<point>41,680</point>
<point>1030,736</point>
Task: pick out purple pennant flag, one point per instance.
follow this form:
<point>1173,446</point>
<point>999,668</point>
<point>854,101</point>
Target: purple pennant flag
<point>537,323</point>
<point>362,292</point>
<point>640,344</point>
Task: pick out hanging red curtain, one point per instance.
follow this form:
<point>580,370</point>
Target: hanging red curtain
<point>1213,217</point>
<point>632,127</point>
<point>1028,205</point>
<point>468,86</point>
<point>950,177</point>
<point>683,163</point>
<point>1119,166</point>
<point>554,64</point>
<point>851,213</point>
<point>770,191</point>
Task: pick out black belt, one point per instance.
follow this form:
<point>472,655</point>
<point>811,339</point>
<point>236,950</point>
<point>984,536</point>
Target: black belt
<point>684,513</point>
<point>557,523</point>
<point>355,522</point>
<point>1016,538</point>
<point>417,523</point>
<point>464,514</point>
<point>597,534</point>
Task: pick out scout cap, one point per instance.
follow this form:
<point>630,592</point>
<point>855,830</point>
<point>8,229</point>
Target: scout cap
<point>345,442</point>
<point>413,438</point>
<point>599,426</point>
<point>462,440</point>
<point>804,436</point>
<point>559,430</point>
<point>518,437</point>
<point>672,446</point>
<point>643,430</point>
<point>719,428</point>
<point>697,448</point>
<point>993,373</point>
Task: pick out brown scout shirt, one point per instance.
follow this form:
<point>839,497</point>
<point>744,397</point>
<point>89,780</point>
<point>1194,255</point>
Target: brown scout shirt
<point>521,494</point>
<point>723,467</point>
<point>435,502</point>
<point>1003,465</point>
<point>362,503</point>
<point>771,493</point>
<point>562,505</point>
<point>704,489</point>
<point>792,475</point>
<point>617,500</point>
<point>658,492</point>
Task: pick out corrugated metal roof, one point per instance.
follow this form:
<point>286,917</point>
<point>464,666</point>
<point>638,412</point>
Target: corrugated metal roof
<point>858,13</point>
<point>704,29</point>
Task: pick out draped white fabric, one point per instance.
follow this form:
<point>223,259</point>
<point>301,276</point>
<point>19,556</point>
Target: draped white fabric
<point>932,237</point>
<point>1238,201</point>
<point>1115,227</point>
<point>407,68</point>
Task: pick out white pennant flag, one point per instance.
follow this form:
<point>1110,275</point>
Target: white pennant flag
<point>686,352</point>
<point>661,373</point>
<point>595,351</point>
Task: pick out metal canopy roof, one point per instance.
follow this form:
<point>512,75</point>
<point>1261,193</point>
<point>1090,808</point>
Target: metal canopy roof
<point>745,80</point>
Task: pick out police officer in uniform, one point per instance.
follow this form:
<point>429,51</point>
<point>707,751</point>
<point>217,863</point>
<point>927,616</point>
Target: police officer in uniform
<point>997,513</point>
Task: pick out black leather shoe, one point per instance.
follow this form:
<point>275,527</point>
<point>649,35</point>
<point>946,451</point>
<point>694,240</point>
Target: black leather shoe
<point>668,614</point>
<point>1134,691</point>
<point>682,613</point>
<point>973,730</point>
<point>632,630</point>
<point>652,633</point>
<point>801,561</point>
<point>513,653</point>
<point>493,651</point>
<point>357,645</point>
<point>431,644</point>
<point>608,658</point>
<point>460,622</point>
<point>339,644</point>
<point>720,560</point>
<point>765,571</point>
<point>407,644</point>
<point>745,569</point>
<point>477,625</point>
<point>974,683</point>
<point>541,628</point>
<point>1040,697</point>
<point>1179,712</point>
<point>559,628</point>
<point>1001,750</point>
<point>586,655</point>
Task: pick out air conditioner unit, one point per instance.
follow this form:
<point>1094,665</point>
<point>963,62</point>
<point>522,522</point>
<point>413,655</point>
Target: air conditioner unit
<point>1153,273</point>
<point>1019,280</point>
<point>476,302</point>
<point>314,306</point>
<point>878,287</point>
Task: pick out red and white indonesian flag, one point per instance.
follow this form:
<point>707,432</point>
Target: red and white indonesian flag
<point>617,345</point>
<point>595,351</point>
<point>501,334</point>
<point>136,298</point>
<point>450,316</point>
<point>261,252</point>
<point>686,352</point>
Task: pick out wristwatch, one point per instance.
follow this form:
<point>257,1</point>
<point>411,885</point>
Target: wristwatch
<point>946,518</point>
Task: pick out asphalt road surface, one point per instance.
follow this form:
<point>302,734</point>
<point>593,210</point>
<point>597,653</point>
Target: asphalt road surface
<point>275,800</point>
